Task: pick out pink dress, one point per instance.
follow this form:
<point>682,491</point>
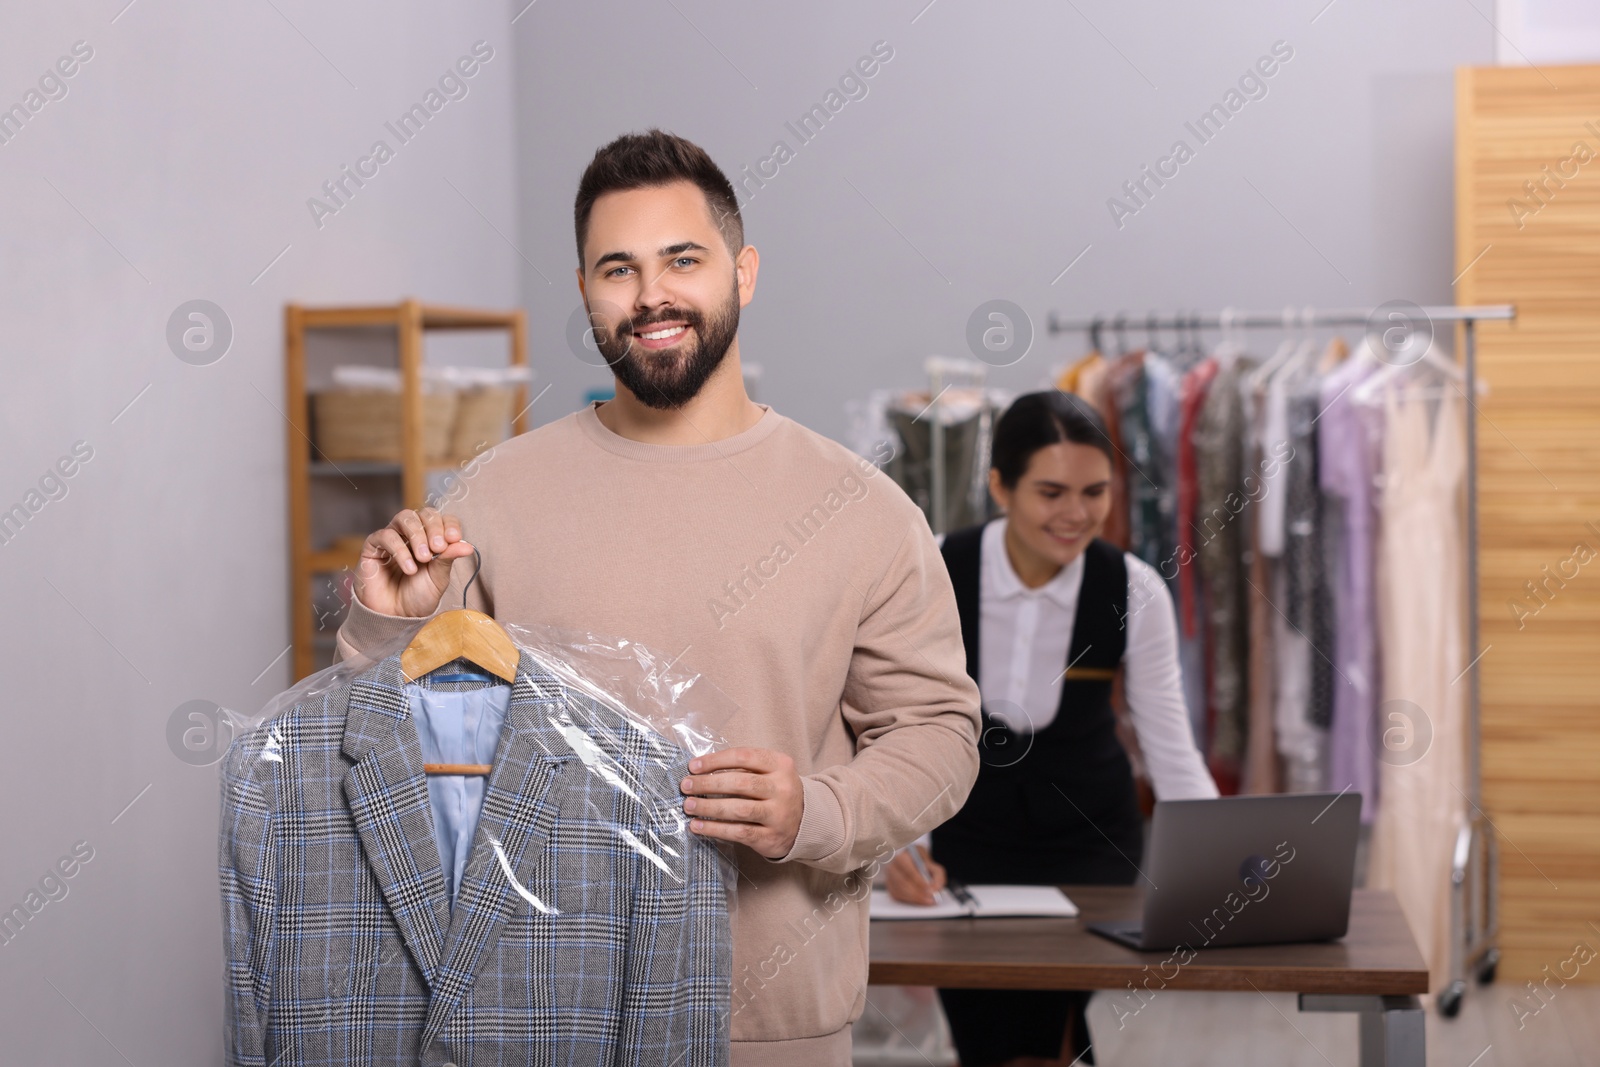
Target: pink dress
<point>1421,716</point>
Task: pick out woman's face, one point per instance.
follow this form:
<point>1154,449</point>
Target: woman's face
<point>1061,501</point>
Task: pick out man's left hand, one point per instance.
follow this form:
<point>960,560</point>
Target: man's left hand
<point>751,796</point>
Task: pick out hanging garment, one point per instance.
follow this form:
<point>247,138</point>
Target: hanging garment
<point>1310,606</point>
<point>1117,528</point>
<point>1422,720</point>
<point>1077,377</point>
<point>1300,741</point>
<point>1346,469</point>
<point>1192,644</point>
<point>966,418</point>
<point>1261,764</point>
<point>579,934</point>
<point>1222,513</point>
<point>1164,396</point>
<point>1143,472</point>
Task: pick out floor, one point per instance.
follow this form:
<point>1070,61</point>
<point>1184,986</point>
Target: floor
<point>1247,1029</point>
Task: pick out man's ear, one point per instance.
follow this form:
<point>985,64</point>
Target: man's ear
<point>745,266</point>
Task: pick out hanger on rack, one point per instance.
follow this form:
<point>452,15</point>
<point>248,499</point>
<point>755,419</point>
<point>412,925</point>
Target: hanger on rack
<point>1095,343</point>
<point>1191,344</point>
<point>1291,350</point>
<point>1450,375</point>
<point>1230,346</point>
<point>461,634</point>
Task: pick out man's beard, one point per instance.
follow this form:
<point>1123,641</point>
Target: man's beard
<point>669,379</point>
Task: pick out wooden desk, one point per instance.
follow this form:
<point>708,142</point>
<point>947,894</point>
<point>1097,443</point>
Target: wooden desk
<point>1375,970</point>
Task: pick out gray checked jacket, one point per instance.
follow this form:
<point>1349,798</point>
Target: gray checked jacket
<point>581,933</point>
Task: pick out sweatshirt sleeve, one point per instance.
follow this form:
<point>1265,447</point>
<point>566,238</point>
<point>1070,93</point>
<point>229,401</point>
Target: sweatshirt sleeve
<point>365,630</point>
<point>913,710</point>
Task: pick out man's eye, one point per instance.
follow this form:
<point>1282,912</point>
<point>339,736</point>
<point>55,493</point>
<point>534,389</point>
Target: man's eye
<point>684,259</point>
<point>613,271</point>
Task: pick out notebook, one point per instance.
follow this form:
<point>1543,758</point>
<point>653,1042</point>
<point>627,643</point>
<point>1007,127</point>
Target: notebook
<point>987,902</point>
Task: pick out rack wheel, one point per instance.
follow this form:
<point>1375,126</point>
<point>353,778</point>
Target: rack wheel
<point>1450,999</point>
<point>1486,969</point>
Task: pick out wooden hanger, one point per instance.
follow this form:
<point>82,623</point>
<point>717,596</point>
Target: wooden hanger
<point>461,634</point>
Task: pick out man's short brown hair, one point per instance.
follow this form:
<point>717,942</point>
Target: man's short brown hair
<point>641,160</point>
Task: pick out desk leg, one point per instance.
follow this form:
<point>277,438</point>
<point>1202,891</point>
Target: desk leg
<point>1393,1033</point>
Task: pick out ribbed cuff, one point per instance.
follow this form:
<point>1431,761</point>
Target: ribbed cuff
<point>365,631</point>
<point>821,824</point>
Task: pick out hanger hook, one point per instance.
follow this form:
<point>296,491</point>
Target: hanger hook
<point>1094,332</point>
<point>477,565</point>
<point>1152,323</point>
<point>1117,325</point>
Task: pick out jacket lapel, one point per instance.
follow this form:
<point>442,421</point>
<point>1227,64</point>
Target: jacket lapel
<point>520,808</point>
<point>388,797</point>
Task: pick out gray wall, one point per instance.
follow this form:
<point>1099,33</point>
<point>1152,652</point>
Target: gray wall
<point>980,160</point>
<point>178,167</point>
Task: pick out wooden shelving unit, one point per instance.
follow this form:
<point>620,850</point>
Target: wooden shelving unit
<point>1539,429</point>
<point>404,482</point>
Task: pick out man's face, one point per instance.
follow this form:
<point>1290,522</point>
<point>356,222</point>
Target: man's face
<point>662,291</point>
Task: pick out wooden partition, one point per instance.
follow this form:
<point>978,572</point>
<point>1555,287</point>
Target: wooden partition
<point>1528,233</point>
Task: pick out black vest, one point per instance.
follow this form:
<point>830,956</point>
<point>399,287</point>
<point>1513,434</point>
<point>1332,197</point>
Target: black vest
<point>1057,806</point>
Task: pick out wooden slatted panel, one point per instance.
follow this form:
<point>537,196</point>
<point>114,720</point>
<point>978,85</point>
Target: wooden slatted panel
<point>1539,488</point>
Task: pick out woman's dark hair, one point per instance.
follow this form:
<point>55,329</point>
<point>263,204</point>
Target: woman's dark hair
<point>1039,420</point>
<point>641,160</point>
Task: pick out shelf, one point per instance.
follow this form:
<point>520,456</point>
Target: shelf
<point>364,468</point>
<point>434,317</point>
<point>402,325</point>
<point>345,317</point>
<point>443,317</point>
<point>354,468</point>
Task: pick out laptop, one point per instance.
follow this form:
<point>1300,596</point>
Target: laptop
<point>1257,870</point>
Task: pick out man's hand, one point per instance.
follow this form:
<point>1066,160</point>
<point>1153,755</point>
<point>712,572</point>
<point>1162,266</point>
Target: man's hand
<point>751,796</point>
<point>405,566</point>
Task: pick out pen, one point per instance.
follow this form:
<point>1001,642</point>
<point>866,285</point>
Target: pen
<point>922,868</point>
<point>961,893</point>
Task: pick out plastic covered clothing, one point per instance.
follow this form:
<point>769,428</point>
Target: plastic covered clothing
<point>590,925</point>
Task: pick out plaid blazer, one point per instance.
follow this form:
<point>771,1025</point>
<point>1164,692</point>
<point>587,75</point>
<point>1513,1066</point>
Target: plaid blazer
<point>610,946</point>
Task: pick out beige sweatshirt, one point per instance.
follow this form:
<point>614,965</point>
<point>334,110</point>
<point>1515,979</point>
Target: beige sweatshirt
<point>806,585</point>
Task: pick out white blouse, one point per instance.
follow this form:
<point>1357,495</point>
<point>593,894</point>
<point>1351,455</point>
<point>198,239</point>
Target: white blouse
<point>1022,658</point>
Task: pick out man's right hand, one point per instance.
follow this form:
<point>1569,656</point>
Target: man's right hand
<point>405,567</point>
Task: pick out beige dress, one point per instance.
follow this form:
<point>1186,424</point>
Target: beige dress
<point>1422,714</point>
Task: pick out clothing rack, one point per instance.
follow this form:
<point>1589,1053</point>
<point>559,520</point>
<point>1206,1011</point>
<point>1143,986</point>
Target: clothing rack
<point>1474,864</point>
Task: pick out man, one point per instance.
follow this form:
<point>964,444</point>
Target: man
<point>784,569</point>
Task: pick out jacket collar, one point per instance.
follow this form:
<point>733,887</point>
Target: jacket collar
<point>388,796</point>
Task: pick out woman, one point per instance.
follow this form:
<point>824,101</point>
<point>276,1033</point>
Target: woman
<point>1048,613</point>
